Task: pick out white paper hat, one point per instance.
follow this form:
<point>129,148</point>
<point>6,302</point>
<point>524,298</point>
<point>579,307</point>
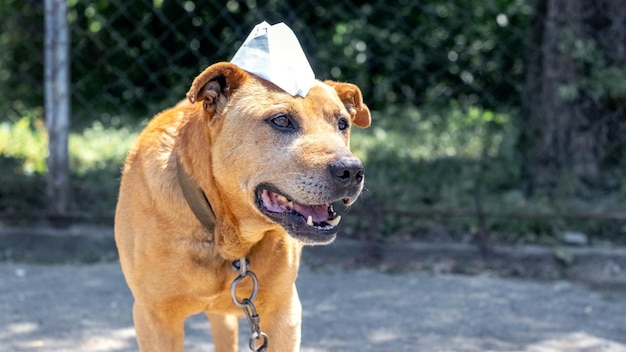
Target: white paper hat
<point>274,53</point>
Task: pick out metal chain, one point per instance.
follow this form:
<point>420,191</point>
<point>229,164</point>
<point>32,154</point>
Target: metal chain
<point>241,266</point>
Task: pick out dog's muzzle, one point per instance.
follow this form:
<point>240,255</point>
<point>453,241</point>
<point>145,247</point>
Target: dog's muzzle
<point>314,223</point>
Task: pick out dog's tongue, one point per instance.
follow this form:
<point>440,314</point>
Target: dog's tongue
<point>319,213</point>
<point>280,204</point>
<point>272,203</point>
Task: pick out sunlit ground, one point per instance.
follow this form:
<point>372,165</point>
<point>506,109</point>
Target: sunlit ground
<point>88,308</point>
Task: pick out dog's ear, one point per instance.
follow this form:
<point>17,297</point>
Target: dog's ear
<point>215,85</point>
<point>352,98</point>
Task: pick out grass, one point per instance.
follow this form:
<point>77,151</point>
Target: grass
<point>96,157</point>
<point>25,139</point>
<point>97,147</point>
<point>417,161</point>
<point>93,148</point>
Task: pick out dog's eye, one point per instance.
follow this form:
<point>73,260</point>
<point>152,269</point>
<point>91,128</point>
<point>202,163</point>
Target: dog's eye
<point>283,122</point>
<point>343,124</point>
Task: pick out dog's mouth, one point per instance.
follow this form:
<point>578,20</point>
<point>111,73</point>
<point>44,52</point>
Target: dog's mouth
<point>312,224</point>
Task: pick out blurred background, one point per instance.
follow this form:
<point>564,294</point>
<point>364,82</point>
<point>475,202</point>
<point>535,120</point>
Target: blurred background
<point>499,121</point>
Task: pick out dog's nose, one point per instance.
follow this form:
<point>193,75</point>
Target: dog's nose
<point>347,171</point>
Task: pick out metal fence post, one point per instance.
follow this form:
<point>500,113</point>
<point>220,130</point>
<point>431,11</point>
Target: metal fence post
<point>57,105</point>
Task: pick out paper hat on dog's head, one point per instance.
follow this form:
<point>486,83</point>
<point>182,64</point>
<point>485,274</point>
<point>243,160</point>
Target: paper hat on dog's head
<point>274,53</point>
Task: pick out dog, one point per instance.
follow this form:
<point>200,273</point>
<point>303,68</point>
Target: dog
<point>265,168</point>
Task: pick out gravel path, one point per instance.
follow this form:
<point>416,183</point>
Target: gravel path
<point>87,308</point>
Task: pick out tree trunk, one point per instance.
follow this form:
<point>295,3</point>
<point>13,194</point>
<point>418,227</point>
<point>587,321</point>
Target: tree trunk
<point>566,129</point>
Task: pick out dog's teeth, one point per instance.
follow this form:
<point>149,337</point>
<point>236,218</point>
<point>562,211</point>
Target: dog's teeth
<point>309,220</point>
<point>282,198</point>
<point>335,221</point>
<point>290,205</point>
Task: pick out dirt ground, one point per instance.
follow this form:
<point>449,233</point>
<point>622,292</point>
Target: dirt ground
<point>374,299</point>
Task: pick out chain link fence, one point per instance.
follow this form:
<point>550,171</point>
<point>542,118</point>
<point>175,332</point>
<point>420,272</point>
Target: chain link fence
<point>458,90</point>
<point>130,60</point>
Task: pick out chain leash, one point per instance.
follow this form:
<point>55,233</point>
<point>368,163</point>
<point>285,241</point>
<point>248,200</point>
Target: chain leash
<point>241,266</point>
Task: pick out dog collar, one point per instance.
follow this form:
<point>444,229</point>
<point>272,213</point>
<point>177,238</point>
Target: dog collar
<point>196,199</point>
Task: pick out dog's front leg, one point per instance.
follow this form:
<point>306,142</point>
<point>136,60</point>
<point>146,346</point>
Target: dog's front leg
<point>283,325</point>
<point>158,330</point>
<point>224,329</point>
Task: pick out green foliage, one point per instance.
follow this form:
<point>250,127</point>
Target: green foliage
<point>434,132</point>
<point>443,78</point>
<point>96,148</point>
<point>96,158</point>
<point>25,139</point>
<point>602,80</point>
<point>132,59</point>
<point>433,159</point>
<point>23,149</point>
<point>21,61</point>
<point>419,53</point>
<point>444,159</point>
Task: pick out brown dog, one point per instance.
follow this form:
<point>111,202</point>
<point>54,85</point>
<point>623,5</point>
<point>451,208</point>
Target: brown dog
<point>269,165</point>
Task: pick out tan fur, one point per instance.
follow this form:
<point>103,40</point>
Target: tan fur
<point>174,267</point>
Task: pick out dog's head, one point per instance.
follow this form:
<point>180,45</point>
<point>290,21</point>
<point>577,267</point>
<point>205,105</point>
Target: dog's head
<point>277,159</point>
